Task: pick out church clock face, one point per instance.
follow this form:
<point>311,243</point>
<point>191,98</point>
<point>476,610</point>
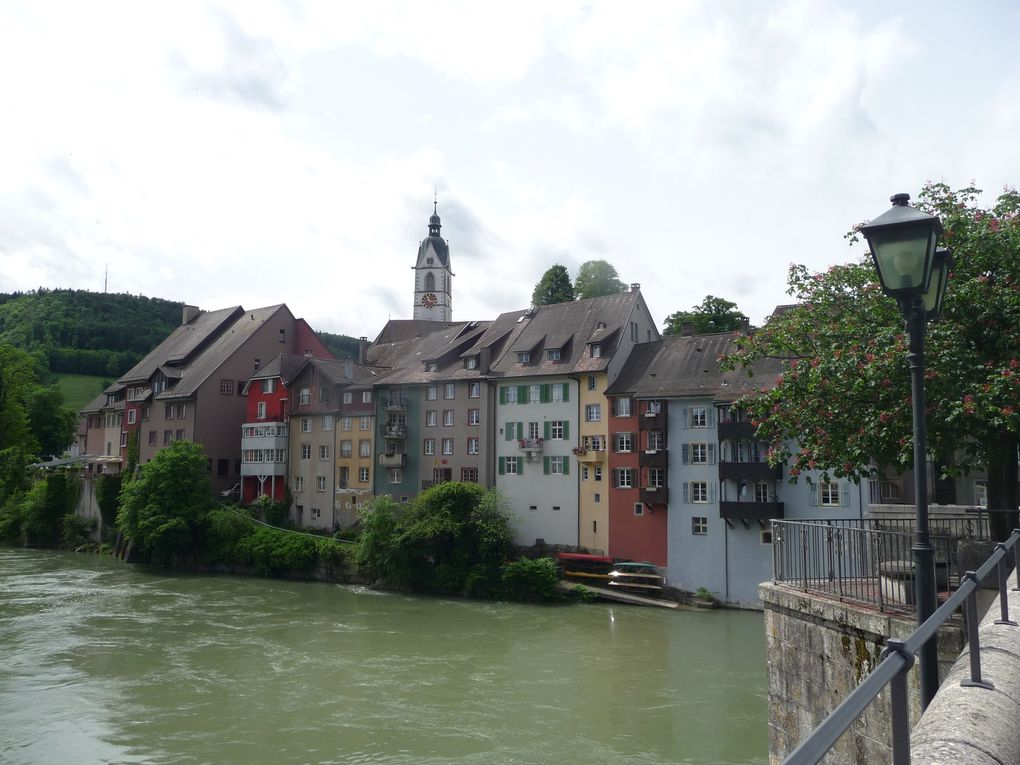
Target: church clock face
<point>429,300</point>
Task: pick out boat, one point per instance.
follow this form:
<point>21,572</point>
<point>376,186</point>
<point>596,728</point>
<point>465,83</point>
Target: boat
<point>636,576</point>
<point>585,567</point>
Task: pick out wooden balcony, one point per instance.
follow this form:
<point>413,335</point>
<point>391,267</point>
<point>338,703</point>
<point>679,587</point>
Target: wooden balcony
<point>653,458</point>
<point>750,511</point>
<point>652,421</point>
<point>590,456</point>
<point>393,460</point>
<point>654,495</point>
<point>732,429</point>
<point>749,471</point>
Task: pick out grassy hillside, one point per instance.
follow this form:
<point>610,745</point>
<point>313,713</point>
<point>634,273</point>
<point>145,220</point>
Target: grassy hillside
<point>78,390</point>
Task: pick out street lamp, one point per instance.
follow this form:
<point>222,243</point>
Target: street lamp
<point>903,245</point>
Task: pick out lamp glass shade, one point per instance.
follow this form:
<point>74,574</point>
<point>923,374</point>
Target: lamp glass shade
<point>936,291</point>
<point>903,257</point>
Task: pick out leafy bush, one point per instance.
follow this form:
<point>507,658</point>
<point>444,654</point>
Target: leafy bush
<point>12,519</point>
<point>76,531</point>
<point>530,579</point>
<point>582,594</point>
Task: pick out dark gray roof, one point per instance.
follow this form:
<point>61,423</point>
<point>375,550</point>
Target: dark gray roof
<point>436,246</point>
<point>95,404</point>
<point>409,329</point>
<point>184,342</point>
<point>444,348</point>
<point>689,366</point>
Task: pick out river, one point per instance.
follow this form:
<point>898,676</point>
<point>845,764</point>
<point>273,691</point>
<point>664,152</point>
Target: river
<point>104,662</point>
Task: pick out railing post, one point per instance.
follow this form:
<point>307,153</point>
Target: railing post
<point>1003,577</point>
<point>1016,560</point>
<point>973,646</point>
<point>900,717</point>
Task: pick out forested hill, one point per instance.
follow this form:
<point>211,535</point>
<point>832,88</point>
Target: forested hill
<point>96,333</point>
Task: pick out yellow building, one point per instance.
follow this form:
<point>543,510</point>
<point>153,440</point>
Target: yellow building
<point>593,478</point>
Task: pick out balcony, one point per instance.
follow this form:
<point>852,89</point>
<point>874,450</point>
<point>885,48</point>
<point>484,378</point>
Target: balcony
<point>395,404</point>
<point>750,511</point>
<point>395,431</point>
<point>732,429</point>
<point>749,471</point>
<point>531,446</point>
<point>652,421</point>
<point>392,460</point>
<point>589,456</point>
<point>654,495</point>
<point>653,458</point>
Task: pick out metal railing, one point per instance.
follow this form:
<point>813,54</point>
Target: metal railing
<point>869,561</point>
<point>898,658</point>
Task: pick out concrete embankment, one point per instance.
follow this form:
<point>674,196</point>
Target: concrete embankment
<point>977,726</point>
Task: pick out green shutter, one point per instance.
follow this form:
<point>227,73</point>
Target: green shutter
<point>566,430</point>
<point>502,465</point>
<point>502,394</point>
<point>522,394</point>
<point>520,466</point>
<point>566,466</point>
<point>548,429</point>
<point>545,465</point>
<point>543,393</point>
<point>520,430</point>
<point>507,431</point>
<point>566,391</point>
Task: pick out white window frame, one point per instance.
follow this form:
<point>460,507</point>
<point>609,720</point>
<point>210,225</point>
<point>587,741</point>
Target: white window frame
<point>320,483</point>
<point>431,418</point>
<point>624,472</point>
<point>450,391</point>
<point>699,525</point>
<point>365,422</point>
<point>593,412</point>
<point>699,416</point>
<point>347,423</point>
<point>474,416</point>
<point>432,393</point>
<point>447,446</point>
<point>363,475</point>
<point>364,447</point>
<point>429,447</point>
<point>306,451</point>
<point>510,466</point>
<point>474,390</point>
<point>699,492</point>
<point>829,494</point>
<point>448,418</point>
<point>324,452</point>
<point>472,445</point>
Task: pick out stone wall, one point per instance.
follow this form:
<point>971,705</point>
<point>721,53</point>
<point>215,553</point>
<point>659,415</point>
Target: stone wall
<point>818,651</point>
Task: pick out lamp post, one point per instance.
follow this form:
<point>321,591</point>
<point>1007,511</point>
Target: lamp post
<point>903,245</point>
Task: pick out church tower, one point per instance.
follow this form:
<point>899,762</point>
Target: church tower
<point>433,279</point>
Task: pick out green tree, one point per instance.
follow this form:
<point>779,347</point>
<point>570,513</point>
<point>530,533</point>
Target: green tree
<point>17,378</point>
<point>713,315</point>
<point>51,424</point>
<point>844,399</point>
<point>163,510</point>
<point>553,287</point>
<point>596,278</point>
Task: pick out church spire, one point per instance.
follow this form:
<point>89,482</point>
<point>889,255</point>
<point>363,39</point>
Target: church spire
<point>434,224</point>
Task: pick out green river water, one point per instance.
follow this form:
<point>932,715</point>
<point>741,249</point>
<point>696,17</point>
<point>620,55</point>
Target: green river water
<point>104,662</point>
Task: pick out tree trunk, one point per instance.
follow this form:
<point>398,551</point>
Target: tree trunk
<point>1002,484</point>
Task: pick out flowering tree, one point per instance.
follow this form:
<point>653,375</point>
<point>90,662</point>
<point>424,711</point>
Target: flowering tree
<point>844,398</point>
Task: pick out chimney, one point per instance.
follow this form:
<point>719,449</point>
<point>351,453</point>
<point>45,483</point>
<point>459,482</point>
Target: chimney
<point>362,350</point>
<point>349,368</point>
<point>188,313</point>
<point>686,329</point>
<point>744,325</point>
<point>635,287</point>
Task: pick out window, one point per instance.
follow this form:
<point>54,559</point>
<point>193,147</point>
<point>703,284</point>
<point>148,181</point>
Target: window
<point>595,443</point>
<point>447,417</point>
<point>596,350</point>
<point>430,418</point>
<point>639,509</point>
<point>474,416</point>
<point>226,387</point>
<point>431,366</point>
<point>123,439</point>
<point>533,431</point>
<point>624,442</point>
<point>828,494</point>
<point>556,429</point>
<point>261,410</point>
<point>324,451</point>
<point>699,417</point>
<point>306,425</point>
<point>346,448</point>
<point>432,393</point>
<point>761,491</point>
<point>306,451</point>
<point>152,438</point>
<point>559,391</point>
<point>182,411</point>
<point>523,357</point>
<point>324,395</point>
<point>447,446</point>
<point>179,436</point>
<point>469,475</point>
<point>554,354</point>
<point>534,393</point>
<point>396,475</point>
<point>654,408</point>
<point>364,447</point>
<point>132,414</point>
<point>299,483</point>
<point>598,472</point>
<point>430,446</point>
<point>472,446</point>
<point>366,397</point>
<point>365,422</point>
<point>471,362</point>
<point>699,491</point>
<point>474,390</point>
<point>327,422</point>
<point>584,472</point>
<point>363,475</point>
<point>348,397</point>
<point>654,440</point>
<point>509,394</point>
<point>699,454</point>
<point>592,412</point>
<point>655,477</point>
<point>346,423</point>
<point>699,525</point>
<point>593,382</point>
<point>511,466</point>
<point>598,498</point>
<point>624,478</point>
<point>557,465</point>
<point>765,536</point>
<point>981,492</point>
<point>269,385</point>
<point>304,397</point>
<point>168,412</point>
<point>168,436</point>
<point>320,483</point>
<point>622,407</point>
<point>449,390</point>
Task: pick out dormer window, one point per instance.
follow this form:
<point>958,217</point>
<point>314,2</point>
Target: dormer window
<point>523,357</point>
<point>471,362</point>
<point>554,354</point>
<point>431,366</point>
<point>596,350</point>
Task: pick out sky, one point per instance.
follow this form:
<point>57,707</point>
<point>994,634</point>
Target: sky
<point>255,153</point>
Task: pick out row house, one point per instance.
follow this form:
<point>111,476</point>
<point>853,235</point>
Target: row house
<point>190,386</point>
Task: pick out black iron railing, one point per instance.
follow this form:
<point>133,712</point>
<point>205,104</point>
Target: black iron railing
<point>869,561</point>
<point>898,658</point>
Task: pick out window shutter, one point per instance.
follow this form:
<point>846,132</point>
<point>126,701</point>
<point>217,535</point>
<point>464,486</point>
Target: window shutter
<point>502,394</point>
<point>711,491</point>
<point>543,393</point>
<point>545,465</point>
<point>710,416</point>
<point>522,394</point>
<point>546,430</point>
<point>566,391</point>
<point>686,451</point>
<point>566,466</point>
<point>502,465</point>
<point>520,430</point>
<point>844,495</point>
<point>711,454</point>
<point>566,430</point>
<point>508,430</point>
<point>685,418</point>
<point>812,495</point>
<point>687,491</point>
<point>520,467</point>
